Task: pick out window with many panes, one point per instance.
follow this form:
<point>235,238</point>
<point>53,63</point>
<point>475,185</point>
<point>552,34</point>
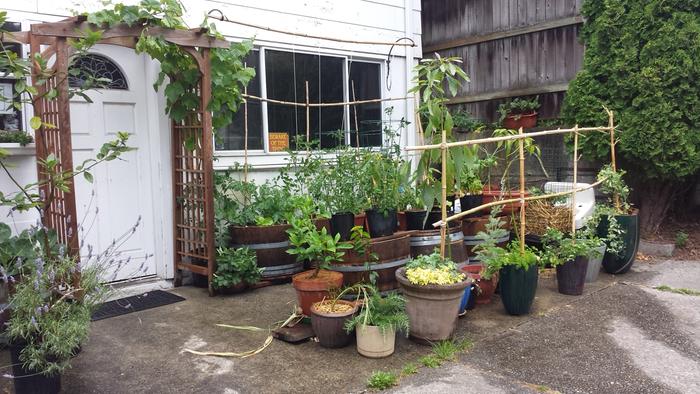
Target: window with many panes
<point>330,79</point>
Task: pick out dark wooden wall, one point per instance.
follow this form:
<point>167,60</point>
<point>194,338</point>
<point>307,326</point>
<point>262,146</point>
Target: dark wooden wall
<point>510,48</point>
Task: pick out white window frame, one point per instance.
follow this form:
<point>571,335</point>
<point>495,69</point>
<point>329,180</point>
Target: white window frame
<point>257,156</point>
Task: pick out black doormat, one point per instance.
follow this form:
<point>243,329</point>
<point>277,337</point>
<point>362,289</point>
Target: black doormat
<point>135,303</point>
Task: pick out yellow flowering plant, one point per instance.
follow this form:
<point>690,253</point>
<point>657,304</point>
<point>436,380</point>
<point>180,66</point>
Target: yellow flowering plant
<point>433,270</point>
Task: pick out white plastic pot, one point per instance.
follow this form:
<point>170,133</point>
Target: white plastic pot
<point>373,343</point>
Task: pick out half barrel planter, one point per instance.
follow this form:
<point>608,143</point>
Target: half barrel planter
<point>433,309</point>
<point>270,244</point>
<point>427,241</point>
<point>393,252</point>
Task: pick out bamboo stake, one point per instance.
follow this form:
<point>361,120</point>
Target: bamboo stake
<point>573,196</point>
<point>506,138</point>
<point>245,143</point>
<point>521,151</point>
<point>443,228</point>
<point>331,104</point>
<point>613,163</point>
<point>512,200</point>
<point>308,119</point>
<point>357,125</point>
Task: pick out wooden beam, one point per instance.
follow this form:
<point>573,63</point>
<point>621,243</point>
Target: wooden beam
<point>187,38</point>
<point>501,94</point>
<point>498,35</point>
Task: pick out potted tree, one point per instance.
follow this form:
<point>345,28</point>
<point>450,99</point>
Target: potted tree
<point>321,249</point>
<point>570,257</point>
<point>518,113</point>
<point>433,288</point>
<point>236,269</point>
<point>378,321</point>
<point>619,223</point>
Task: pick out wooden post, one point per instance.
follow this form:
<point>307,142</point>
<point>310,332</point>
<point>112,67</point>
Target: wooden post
<point>443,227</point>
<point>308,119</point>
<point>357,125</point>
<point>522,192</point>
<point>573,196</point>
<point>207,160</point>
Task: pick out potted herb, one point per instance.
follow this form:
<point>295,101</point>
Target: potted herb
<point>383,193</point>
<point>518,113</point>
<point>619,223</point>
<point>236,269</point>
<point>518,272</point>
<point>321,249</point>
<point>344,192</point>
<point>378,321</point>
<point>570,257</point>
<point>433,288</point>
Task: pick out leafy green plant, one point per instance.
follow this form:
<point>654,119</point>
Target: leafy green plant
<point>614,240</point>
<point>432,269</point>
<point>487,252</point>
<point>641,78</point>
<point>615,187</point>
<point>409,369</point>
<point>445,350</point>
<point>387,313</point>
<point>517,108</point>
<point>380,380</point>
<point>498,258</point>
<point>464,121</point>
<point>18,137</point>
<point>385,175</point>
<point>560,248</point>
<point>681,239</point>
<point>430,361</point>
<point>234,266</point>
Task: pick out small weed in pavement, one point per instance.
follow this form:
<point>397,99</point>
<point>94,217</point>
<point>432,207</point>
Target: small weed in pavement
<point>430,361</point>
<point>380,380</point>
<point>680,290</point>
<point>409,369</point>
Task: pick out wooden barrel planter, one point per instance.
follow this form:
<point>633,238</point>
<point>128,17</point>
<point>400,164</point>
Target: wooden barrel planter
<point>392,251</point>
<point>270,244</point>
<point>472,226</point>
<point>425,242</point>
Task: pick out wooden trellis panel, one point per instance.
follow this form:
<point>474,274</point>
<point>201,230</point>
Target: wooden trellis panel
<point>54,138</point>
<point>193,195</point>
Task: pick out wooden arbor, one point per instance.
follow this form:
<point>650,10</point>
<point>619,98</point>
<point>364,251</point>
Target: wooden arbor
<point>192,166</point>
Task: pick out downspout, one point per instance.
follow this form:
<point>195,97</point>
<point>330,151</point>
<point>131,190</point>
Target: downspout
<point>408,52</point>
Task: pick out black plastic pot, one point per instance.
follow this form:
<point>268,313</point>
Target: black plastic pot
<point>471,201</point>
<point>619,264</point>
<point>381,223</point>
<point>30,381</point>
<point>518,287</point>
<point>572,275</point>
<point>330,327</point>
<point>415,220</point>
<point>342,223</point>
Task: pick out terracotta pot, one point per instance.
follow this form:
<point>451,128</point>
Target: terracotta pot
<point>491,195</point>
<point>373,343</point>
<point>487,287</point>
<point>330,327</point>
<point>432,310</point>
<point>526,121</point>
<point>312,290</point>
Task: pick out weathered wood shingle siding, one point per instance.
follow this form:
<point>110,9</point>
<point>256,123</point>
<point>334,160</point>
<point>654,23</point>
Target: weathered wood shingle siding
<point>509,61</point>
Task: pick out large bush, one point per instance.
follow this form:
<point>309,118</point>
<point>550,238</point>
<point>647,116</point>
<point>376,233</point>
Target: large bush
<point>642,60</point>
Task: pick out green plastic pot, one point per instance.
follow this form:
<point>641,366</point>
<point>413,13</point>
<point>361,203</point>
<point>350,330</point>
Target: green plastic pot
<point>619,264</point>
<point>518,287</point>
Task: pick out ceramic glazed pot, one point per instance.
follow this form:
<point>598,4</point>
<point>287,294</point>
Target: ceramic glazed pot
<point>518,287</point>
<point>312,290</point>
<point>330,327</point>
<point>373,343</point>
<point>432,310</point>
<point>619,264</point>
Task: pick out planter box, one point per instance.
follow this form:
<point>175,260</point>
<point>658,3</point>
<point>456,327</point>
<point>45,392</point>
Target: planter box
<point>16,149</point>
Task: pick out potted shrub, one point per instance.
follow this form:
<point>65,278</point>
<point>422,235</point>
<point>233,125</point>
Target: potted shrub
<point>328,320</point>
<point>321,249</point>
<point>486,252</point>
<point>619,223</point>
<point>433,288</point>
<point>383,192</point>
<point>570,257</point>
<point>518,274</point>
<point>236,269</point>
<point>378,321</point>
<point>518,113</point>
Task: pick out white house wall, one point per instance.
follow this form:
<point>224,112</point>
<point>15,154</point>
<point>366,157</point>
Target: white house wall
<point>360,20</point>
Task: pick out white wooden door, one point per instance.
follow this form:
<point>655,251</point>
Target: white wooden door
<point>121,193</point>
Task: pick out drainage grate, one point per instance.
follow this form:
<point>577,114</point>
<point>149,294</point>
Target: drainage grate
<point>136,303</point>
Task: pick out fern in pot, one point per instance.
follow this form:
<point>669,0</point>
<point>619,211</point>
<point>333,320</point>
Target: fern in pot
<point>378,321</point>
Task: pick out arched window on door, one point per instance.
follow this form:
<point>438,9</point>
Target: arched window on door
<point>103,73</point>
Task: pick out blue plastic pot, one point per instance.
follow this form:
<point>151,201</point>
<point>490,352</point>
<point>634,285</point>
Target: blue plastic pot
<point>465,298</point>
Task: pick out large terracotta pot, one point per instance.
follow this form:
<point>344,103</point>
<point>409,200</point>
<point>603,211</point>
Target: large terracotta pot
<point>311,290</point>
<point>526,121</point>
<point>432,310</point>
<point>373,343</point>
